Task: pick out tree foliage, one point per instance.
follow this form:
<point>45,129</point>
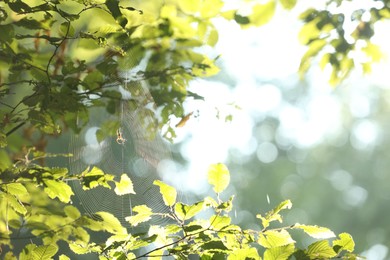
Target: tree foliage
<point>59,58</point>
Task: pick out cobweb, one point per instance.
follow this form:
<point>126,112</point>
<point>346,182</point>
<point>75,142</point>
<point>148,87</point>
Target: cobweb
<point>136,149</point>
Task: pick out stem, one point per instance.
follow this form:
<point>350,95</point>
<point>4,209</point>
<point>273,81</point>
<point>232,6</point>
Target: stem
<point>15,128</point>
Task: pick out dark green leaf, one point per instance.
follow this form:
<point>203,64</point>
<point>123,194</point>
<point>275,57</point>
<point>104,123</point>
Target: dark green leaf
<point>241,19</point>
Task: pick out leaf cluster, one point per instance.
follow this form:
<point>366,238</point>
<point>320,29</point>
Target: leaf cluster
<point>340,41</point>
<point>42,214</point>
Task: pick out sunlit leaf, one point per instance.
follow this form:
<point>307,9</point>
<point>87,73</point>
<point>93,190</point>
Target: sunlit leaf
<point>168,193</point>
<point>309,32</point>
<point>244,253</point>
<point>373,51</point>
<point>14,203</point>
<point>45,251</point>
<point>263,13</point>
<point>210,8</point>
<point>273,238</point>
<point>63,257</point>
<point>218,175</point>
<point>320,250</point>
<point>125,186</point>
<point>79,248</point>
<point>219,222</point>
<point>16,189</point>
<point>279,253</point>
<point>144,213</point>
<point>58,189</point>
<point>345,242</point>
<point>288,4</point>
<point>315,231</point>
<point>111,224</point>
<point>274,215</point>
<point>189,6</point>
<point>185,212</point>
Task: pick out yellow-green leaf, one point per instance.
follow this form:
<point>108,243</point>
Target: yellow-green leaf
<point>274,215</point>
<point>309,31</point>
<point>110,223</point>
<point>14,203</point>
<point>79,248</point>
<point>219,222</point>
<point>144,214</point>
<point>262,13</point>
<point>63,257</point>
<point>279,253</point>
<point>321,250</point>
<point>218,176</point>
<point>57,189</point>
<point>185,212</point>
<point>168,193</point>
<point>72,212</point>
<point>124,186</point>
<point>315,231</point>
<point>344,243</point>
<point>189,6</point>
<point>373,51</point>
<point>244,253</point>
<point>274,238</point>
<point>288,4</point>
<point>16,189</point>
<point>45,251</point>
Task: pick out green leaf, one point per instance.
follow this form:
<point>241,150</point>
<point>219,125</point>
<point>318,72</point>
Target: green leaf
<point>320,250</point>
<point>64,257</point>
<point>244,253</point>
<point>16,189</point>
<point>315,231</point>
<point>344,243</point>
<point>263,13</point>
<point>45,251</point>
<point>168,193</point>
<point>214,245</point>
<point>58,189</point>
<point>279,253</point>
<point>125,186</point>
<point>288,4</point>
<point>274,238</point>
<point>185,212</point>
<point>144,214</point>
<point>240,19</point>
<point>218,175</point>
